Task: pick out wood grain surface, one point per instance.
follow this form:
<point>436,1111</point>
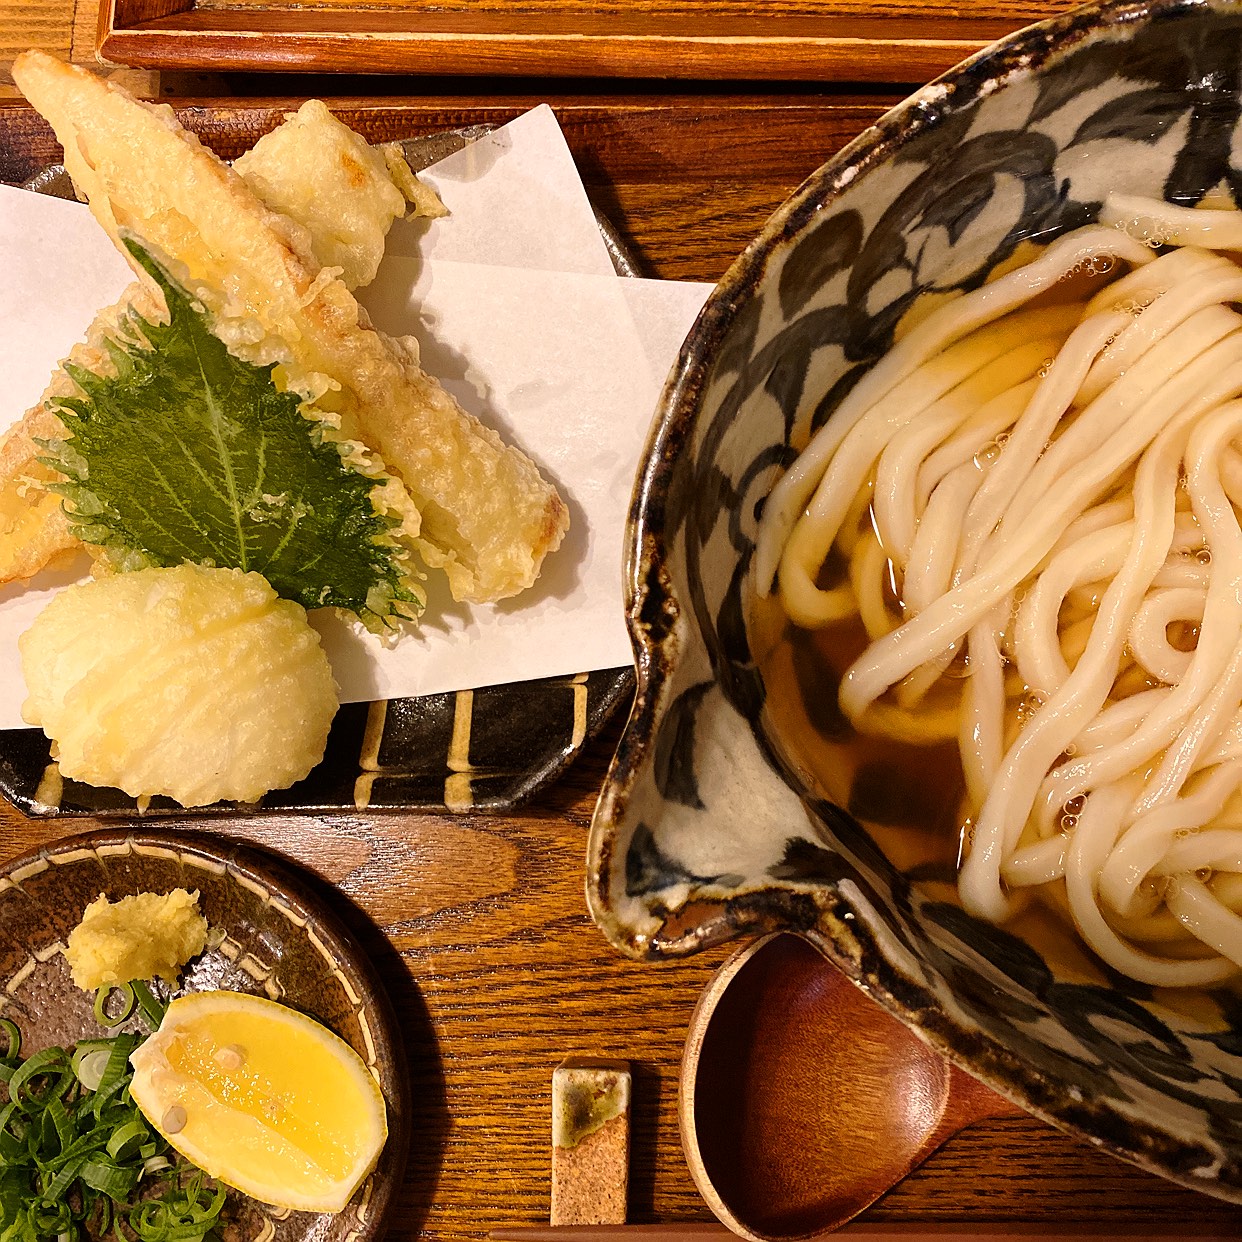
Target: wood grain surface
<point>807,40</point>
<point>479,923</point>
<point>66,28</point>
<point>45,24</point>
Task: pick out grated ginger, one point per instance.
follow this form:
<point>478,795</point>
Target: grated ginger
<point>137,937</point>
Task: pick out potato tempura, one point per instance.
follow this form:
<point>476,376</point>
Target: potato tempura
<point>198,684</point>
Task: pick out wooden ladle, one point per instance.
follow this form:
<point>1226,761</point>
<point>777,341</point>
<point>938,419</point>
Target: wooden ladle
<point>802,1101</point>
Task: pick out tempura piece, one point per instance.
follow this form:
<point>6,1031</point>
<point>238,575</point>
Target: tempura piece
<point>33,527</point>
<point>488,516</point>
<point>34,530</point>
<point>346,193</point>
<point>424,201</point>
<point>198,684</point>
<point>355,183</point>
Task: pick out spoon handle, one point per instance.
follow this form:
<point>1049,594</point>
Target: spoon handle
<point>969,1101</point>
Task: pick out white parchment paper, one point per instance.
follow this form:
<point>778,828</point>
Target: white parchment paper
<point>515,306</point>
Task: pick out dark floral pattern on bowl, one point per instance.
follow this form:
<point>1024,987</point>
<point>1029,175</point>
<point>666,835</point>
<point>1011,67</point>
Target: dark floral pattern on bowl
<point>699,834</point>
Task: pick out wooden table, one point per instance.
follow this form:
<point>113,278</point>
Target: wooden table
<point>494,967</point>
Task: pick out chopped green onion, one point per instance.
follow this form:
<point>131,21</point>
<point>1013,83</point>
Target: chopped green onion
<point>110,1179</point>
<point>63,1180</point>
<point>39,1080</point>
<point>89,1065</point>
<point>126,1140</point>
<point>9,1027</point>
<point>151,1009</point>
<point>77,1158</point>
<point>105,1217</point>
<point>116,1072</point>
<point>64,1128</point>
<point>109,1012</point>
<point>185,1212</point>
<point>51,1217</point>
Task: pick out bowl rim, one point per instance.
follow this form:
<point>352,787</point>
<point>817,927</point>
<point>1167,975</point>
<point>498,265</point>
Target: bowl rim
<point>655,615</point>
<point>661,629</point>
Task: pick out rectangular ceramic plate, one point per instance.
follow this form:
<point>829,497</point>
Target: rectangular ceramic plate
<point>689,181</point>
<point>484,749</point>
<point>817,40</point>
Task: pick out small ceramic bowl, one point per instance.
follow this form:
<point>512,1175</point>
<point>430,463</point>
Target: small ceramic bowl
<point>698,837</point>
<point>273,936</point>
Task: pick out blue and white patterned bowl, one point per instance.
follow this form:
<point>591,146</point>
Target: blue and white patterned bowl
<point>698,836</point>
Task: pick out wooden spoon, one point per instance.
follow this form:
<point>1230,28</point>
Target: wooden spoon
<point>802,1101</point>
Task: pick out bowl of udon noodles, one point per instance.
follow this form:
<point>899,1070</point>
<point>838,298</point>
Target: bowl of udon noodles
<point>935,585</point>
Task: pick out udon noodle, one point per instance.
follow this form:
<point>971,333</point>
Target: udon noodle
<point>1036,505</point>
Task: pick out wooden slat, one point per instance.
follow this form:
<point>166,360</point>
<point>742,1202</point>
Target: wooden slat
<point>917,15</point>
<point>841,40</point>
<point>66,28</point>
<point>45,24</point>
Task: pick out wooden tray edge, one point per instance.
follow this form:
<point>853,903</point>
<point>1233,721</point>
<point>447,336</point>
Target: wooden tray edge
<point>245,39</point>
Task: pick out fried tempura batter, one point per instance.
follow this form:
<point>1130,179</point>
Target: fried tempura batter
<point>33,527</point>
<point>34,530</point>
<point>488,518</point>
<point>313,169</point>
<point>346,193</point>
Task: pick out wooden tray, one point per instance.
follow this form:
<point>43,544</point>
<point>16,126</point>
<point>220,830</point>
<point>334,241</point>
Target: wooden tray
<point>478,925</point>
<point>817,40</point>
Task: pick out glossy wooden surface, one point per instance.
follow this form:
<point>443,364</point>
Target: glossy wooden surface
<point>807,40</point>
<point>66,28</point>
<point>802,1101</point>
<point>479,923</point>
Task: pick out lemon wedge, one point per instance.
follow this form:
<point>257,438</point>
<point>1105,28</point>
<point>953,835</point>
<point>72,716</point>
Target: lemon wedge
<point>262,1098</point>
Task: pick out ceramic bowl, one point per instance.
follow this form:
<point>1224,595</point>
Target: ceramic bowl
<point>698,836</point>
<point>274,937</point>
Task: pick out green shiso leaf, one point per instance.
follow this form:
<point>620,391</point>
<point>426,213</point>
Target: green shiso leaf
<point>190,454</point>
